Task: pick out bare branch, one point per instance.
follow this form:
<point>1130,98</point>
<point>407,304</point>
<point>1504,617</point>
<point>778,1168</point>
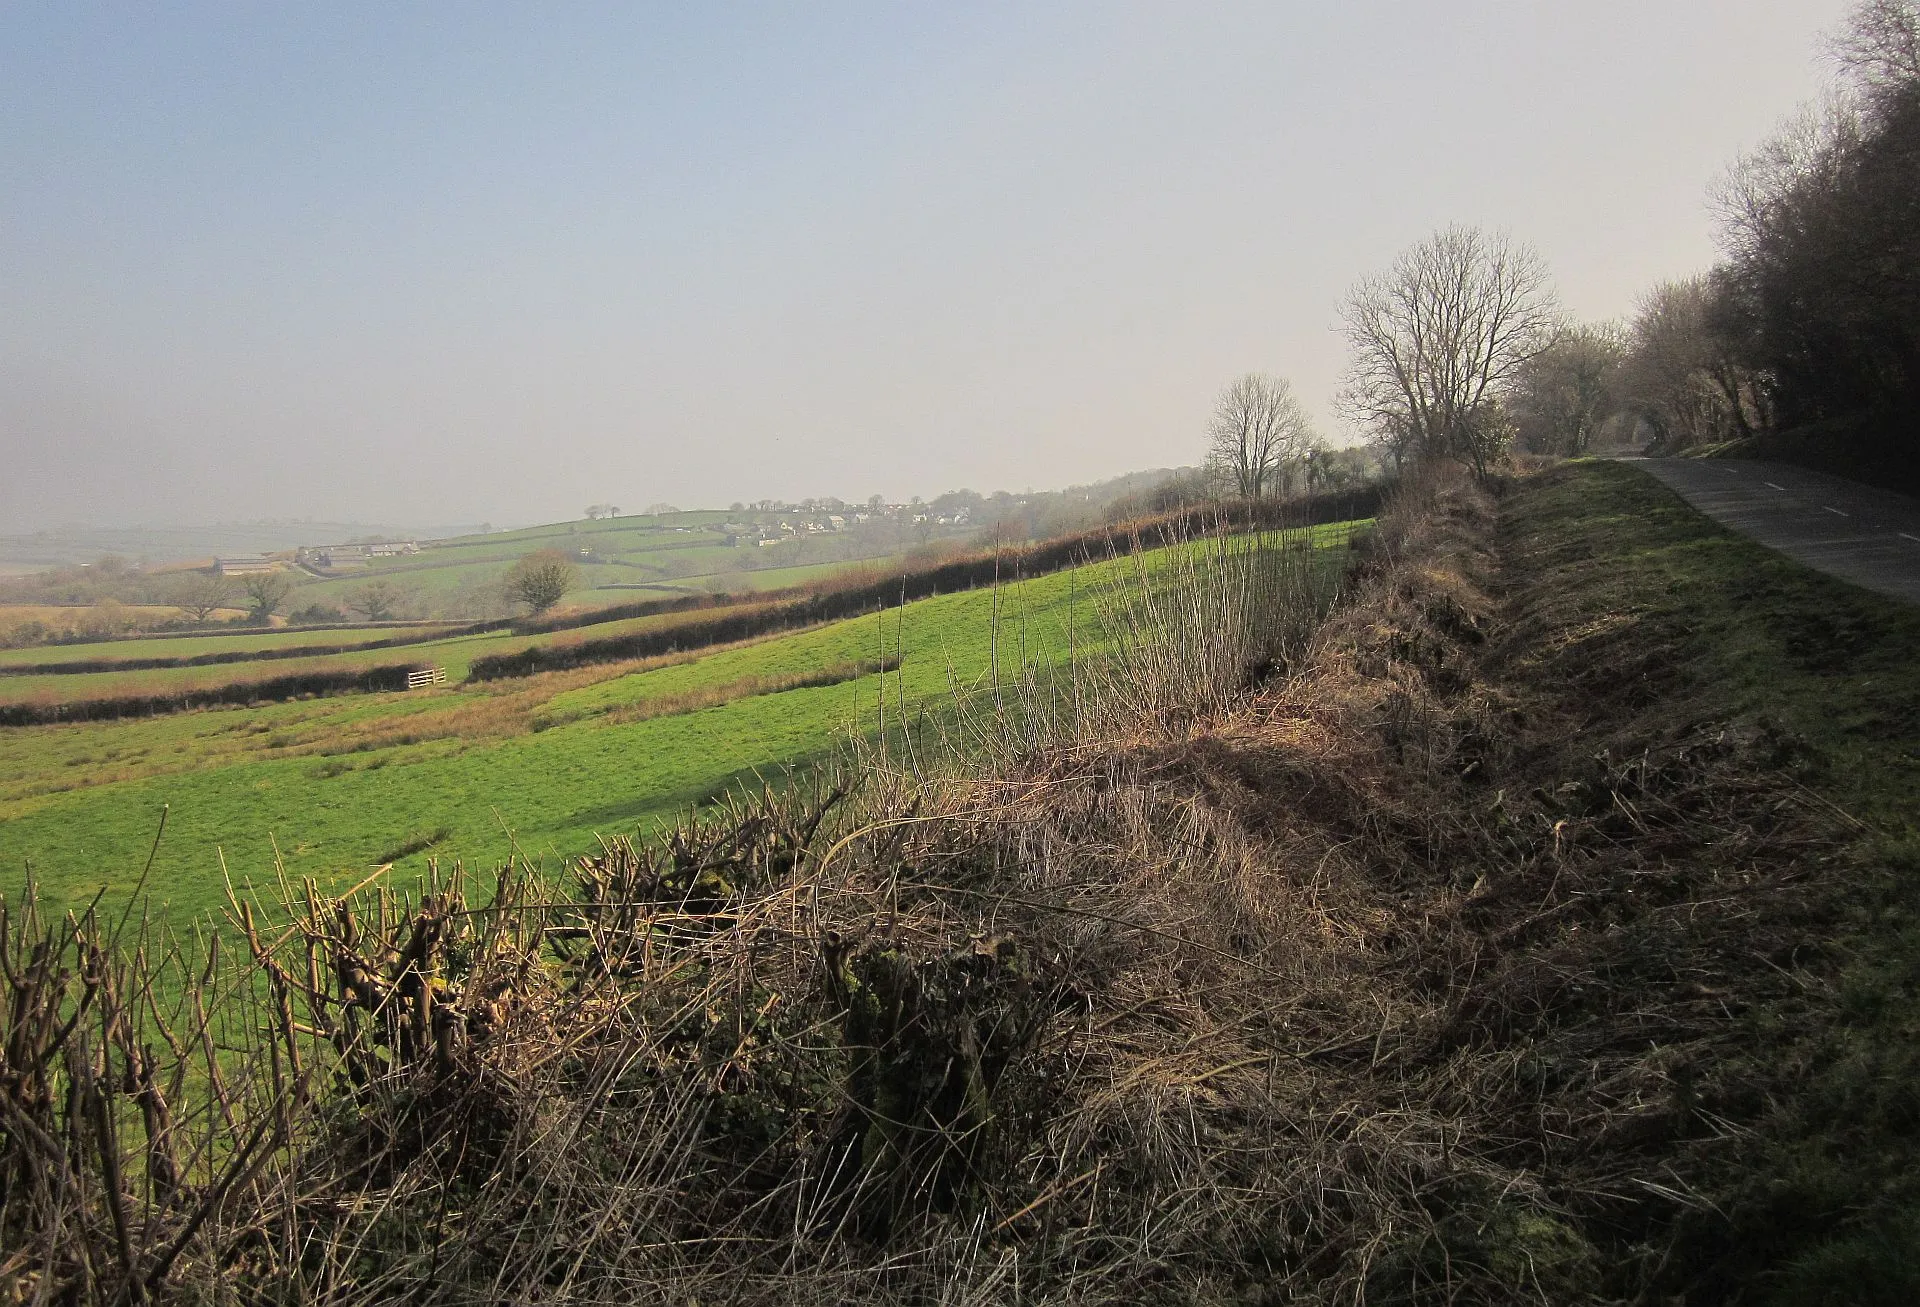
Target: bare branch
<point>1438,335</point>
<point>1259,432</point>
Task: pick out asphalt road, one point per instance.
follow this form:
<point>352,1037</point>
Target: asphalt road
<point>1858,533</point>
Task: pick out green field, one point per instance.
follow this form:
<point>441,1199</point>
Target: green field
<point>205,642</point>
<point>544,764</point>
<point>776,578</point>
<point>631,557</point>
<point>453,652</point>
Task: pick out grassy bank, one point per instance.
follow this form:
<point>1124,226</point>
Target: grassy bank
<point>1795,1109</point>
<point>1538,931</point>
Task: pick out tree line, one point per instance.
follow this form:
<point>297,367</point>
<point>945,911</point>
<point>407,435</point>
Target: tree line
<point>1804,339</point>
<point>1806,335</point>
<point>1811,323</point>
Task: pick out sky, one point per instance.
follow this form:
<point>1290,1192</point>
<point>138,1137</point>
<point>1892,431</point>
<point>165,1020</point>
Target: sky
<point>430,263</point>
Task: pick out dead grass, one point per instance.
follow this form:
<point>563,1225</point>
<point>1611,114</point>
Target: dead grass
<point>1418,972</point>
<point>74,619</point>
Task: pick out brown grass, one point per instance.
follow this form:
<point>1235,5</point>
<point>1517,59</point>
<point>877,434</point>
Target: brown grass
<point>1296,993</point>
<point>70,619</point>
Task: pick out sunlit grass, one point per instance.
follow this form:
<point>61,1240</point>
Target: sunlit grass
<point>544,763</point>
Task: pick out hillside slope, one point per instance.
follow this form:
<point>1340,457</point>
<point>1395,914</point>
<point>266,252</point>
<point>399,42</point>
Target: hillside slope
<point>1540,931</point>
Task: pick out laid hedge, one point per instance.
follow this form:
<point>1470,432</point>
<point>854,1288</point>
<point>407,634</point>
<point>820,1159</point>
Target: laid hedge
<point>622,612</point>
<point>368,680</point>
<point>90,666</point>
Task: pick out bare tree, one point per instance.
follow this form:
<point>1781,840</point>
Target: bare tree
<point>1437,336</point>
<point>1679,375</point>
<point>266,591</point>
<point>201,594</point>
<point>107,617</point>
<point>1880,46</point>
<point>1258,431</point>
<point>1559,398</point>
<point>541,579</point>
<point>375,601</point>
<point>1819,301</point>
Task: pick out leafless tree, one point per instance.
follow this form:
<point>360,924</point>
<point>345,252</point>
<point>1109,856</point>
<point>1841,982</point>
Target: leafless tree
<point>1880,46</point>
<point>1819,300</point>
<point>1437,336</point>
<point>1679,375</point>
<point>1806,156</point>
<point>1561,396</point>
<point>376,601</point>
<point>1259,430</point>
<point>201,594</point>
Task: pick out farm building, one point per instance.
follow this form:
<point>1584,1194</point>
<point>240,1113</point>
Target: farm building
<point>334,558</point>
<point>245,565</point>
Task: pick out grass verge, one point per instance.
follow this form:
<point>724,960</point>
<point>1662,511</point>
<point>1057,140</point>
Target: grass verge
<point>1796,1120</point>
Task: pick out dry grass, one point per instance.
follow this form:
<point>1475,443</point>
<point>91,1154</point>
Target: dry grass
<point>1202,988</point>
<point>75,619</point>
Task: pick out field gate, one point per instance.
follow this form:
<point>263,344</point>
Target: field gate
<point>426,676</point>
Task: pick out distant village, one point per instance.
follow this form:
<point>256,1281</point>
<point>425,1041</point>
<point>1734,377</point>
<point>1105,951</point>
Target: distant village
<point>809,518</point>
<point>763,524</point>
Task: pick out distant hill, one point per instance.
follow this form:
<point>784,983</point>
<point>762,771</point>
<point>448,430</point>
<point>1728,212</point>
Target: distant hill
<point>622,558</point>
<point>65,546</point>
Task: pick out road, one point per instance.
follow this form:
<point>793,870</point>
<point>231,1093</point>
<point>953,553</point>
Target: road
<point>1858,533</point>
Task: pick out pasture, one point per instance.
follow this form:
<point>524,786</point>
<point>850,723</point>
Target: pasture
<point>624,558</point>
<point>201,643</point>
<point>455,651</point>
<point>542,764</point>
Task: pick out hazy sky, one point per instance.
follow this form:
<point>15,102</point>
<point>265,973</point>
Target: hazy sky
<point>463,261</point>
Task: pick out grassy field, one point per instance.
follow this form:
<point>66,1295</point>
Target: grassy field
<point>438,575</point>
<point>764,578</point>
<point>453,652</point>
<point>543,764</point>
<point>676,552</point>
<point>206,642</point>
